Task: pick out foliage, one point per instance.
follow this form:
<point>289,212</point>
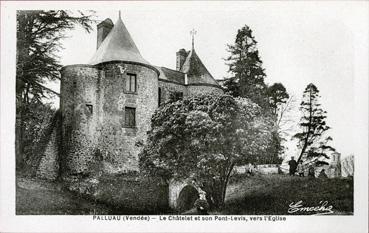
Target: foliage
<point>313,126</point>
<point>204,137</point>
<point>247,80</point>
<point>38,40</point>
<point>36,120</point>
<point>39,35</point>
<point>278,96</point>
<point>278,106</point>
<point>245,66</point>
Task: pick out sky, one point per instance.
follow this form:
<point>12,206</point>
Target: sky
<point>299,43</point>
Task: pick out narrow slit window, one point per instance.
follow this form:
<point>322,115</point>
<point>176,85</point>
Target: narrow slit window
<point>130,117</point>
<point>159,96</point>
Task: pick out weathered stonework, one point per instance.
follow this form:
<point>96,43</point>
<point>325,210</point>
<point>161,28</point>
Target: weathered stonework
<point>79,88</point>
<point>203,88</point>
<point>93,101</point>
<point>119,145</point>
<point>169,87</point>
<point>95,137</point>
<point>48,167</point>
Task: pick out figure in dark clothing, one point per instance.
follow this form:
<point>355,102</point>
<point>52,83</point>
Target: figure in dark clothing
<point>201,206</point>
<point>293,165</point>
<point>311,173</point>
<point>322,174</point>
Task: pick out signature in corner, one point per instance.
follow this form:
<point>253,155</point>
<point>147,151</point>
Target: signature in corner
<point>321,209</point>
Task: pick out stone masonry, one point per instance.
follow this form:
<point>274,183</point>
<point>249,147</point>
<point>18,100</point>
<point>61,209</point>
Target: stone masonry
<point>106,105</point>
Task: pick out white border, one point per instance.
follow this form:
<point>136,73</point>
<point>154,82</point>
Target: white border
<point>9,222</point>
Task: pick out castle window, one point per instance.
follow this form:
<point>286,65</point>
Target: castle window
<point>131,83</point>
<point>130,117</point>
<point>159,96</point>
<point>90,108</point>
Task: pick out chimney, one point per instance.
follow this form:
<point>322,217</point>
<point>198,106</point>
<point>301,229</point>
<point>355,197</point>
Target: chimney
<point>181,58</point>
<point>103,30</point>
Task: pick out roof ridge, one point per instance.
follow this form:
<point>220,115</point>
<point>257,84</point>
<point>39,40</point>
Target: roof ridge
<point>172,69</point>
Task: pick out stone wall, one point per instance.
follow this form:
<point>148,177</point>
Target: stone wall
<point>79,90</point>
<point>201,89</point>
<point>95,136</point>
<point>93,101</point>
<point>170,87</point>
<point>48,162</point>
<point>120,145</point>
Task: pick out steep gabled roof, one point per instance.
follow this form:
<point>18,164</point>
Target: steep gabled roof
<point>118,46</point>
<point>196,70</point>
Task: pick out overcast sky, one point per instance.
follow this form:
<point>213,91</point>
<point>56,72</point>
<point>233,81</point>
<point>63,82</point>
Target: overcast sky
<point>299,43</point>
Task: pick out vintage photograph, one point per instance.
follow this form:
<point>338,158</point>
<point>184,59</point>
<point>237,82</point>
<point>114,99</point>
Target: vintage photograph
<point>176,109</point>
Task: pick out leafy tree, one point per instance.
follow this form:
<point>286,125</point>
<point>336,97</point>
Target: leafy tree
<point>245,66</point>
<point>311,140</point>
<point>39,35</point>
<point>204,137</point>
<point>278,96</point>
<point>278,105</point>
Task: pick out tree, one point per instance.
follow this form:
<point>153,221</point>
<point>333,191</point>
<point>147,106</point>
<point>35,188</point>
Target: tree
<point>245,66</point>
<point>278,96</point>
<point>39,35</point>
<point>204,137</point>
<point>311,140</point>
<point>279,104</point>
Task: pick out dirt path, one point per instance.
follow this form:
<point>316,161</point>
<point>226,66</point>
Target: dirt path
<point>36,197</point>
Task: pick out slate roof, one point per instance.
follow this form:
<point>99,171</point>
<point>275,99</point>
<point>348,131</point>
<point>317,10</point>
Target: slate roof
<point>171,75</point>
<point>196,70</point>
<point>118,46</point>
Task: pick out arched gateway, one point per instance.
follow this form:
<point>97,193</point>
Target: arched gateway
<point>183,194</point>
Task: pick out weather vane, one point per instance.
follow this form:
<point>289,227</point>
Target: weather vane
<point>193,33</point>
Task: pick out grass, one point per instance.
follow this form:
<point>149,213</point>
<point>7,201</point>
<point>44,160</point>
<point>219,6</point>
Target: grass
<point>256,195</point>
<point>35,197</point>
<point>272,194</point>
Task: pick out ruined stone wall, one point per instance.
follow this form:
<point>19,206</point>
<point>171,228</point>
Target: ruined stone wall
<point>201,89</point>
<point>79,91</point>
<point>170,87</point>
<point>48,166</point>
<point>120,145</point>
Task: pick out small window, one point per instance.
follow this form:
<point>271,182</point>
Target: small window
<point>130,117</point>
<point>131,83</point>
<point>159,96</point>
<point>90,108</point>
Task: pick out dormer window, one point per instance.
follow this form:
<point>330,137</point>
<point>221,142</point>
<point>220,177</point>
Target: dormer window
<point>131,83</point>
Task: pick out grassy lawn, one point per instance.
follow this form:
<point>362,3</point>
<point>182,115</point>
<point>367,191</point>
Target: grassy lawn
<point>256,195</point>
<point>272,194</point>
<point>35,197</point>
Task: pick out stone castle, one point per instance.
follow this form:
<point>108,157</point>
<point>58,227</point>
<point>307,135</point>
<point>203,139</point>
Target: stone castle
<point>106,105</point>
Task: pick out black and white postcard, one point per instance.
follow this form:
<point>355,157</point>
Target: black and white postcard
<point>184,116</point>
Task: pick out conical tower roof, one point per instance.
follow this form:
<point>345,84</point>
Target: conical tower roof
<point>118,46</point>
<point>196,70</point>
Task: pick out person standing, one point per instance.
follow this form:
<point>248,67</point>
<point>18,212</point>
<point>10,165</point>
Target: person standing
<point>311,173</point>
<point>293,164</point>
<point>300,169</point>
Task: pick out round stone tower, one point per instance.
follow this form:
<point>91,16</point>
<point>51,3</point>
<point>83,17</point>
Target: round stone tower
<point>78,102</point>
<point>107,105</point>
